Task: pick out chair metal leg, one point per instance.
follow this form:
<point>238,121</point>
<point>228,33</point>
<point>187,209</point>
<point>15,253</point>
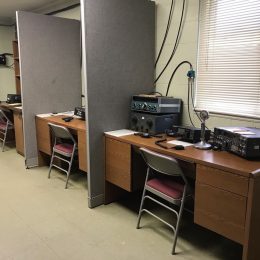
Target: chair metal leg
<point>142,201</point>
<point>178,223</point>
<point>3,145</point>
<point>52,156</point>
<point>140,210</point>
<point>68,172</point>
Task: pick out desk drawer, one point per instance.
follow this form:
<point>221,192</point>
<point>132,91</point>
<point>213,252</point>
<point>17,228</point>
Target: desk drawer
<point>222,180</point>
<point>118,163</point>
<point>43,136</point>
<point>220,211</point>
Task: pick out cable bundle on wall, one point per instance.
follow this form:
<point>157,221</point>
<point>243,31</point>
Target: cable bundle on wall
<point>176,41</point>
<point>191,72</point>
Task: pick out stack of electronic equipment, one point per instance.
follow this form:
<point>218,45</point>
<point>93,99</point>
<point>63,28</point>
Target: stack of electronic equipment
<point>243,141</point>
<point>154,114</point>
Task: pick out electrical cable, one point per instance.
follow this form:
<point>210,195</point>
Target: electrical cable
<point>170,81</point>
<point>63,9</point>
<point>7,25</point>
<point>192,101</point>
<point>176,42</point>
<point>166,32</point>
<point>189,104</point>
<point>192,97</point>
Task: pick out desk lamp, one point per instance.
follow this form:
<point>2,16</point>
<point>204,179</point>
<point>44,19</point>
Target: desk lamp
<point>204,115</point>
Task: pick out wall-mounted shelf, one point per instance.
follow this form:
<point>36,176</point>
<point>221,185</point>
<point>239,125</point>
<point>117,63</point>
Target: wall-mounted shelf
<point>17,67</point>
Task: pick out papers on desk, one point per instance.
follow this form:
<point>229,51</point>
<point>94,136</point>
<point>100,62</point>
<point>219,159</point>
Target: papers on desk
<point>177,142</point>
<point>68,113</point>
<point>20,107</point>
<point>121,132</point>
<point>45,115</point>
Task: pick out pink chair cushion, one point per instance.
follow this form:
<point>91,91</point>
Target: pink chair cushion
<point>167,186</point>
<point>2,125</point>
<point>65,148</point>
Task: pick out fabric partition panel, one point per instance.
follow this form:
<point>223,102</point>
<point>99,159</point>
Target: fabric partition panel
<point>50,64</point>
<point>118,59</point>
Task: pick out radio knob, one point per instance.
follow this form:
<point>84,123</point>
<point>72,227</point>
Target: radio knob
<point>144,106</point>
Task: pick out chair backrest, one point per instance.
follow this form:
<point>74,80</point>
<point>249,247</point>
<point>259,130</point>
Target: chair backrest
<point>61,132</point>
<point>4,118</point>
<point>162,163</point>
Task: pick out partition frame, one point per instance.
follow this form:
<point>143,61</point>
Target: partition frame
<point>113,73</point>
<point>50,66</point>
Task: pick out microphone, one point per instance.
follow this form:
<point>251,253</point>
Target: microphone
<point>202,145</point>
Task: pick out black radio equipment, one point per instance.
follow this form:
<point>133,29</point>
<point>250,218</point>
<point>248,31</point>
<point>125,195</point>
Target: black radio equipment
<point>189,133</point>
<point>155,104</point>
<point>243,141</point>
<point>152,123</point>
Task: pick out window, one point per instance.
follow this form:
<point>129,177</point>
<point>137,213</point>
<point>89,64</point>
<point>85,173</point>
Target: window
<point>228,80</point>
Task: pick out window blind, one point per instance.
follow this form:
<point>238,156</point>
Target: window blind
<point>228,78</point>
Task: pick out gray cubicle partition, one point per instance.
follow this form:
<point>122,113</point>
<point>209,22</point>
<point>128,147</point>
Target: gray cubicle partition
<point>118,58</point>
<point>50,65</point>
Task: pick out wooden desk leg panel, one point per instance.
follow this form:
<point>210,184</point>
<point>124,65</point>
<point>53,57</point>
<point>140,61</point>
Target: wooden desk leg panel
<point>118,163</point>
<point>251,250</point>
<point>82,148</point>
<point>18,128</point>
<point>118,169</point>
<point>43,136</point>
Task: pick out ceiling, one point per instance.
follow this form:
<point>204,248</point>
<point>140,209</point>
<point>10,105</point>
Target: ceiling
<point>8,7</point>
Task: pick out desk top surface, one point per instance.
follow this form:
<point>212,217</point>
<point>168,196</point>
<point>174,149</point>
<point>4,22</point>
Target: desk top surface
<point>76,124</point>
<point>14,107</point>
<point>218,159</point>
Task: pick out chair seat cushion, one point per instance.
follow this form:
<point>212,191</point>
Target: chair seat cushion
<point>2,126</point>
<point>167,186</point>
<point>65,148</point>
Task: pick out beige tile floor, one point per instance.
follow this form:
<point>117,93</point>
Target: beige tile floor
<point>39,219</point>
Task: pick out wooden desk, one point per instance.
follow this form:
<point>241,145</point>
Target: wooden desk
<point>76,126</point>
<point>18,125</point>
<point>227,189</point>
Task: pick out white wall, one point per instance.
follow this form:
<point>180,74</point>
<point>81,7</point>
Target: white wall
<point>7,78</point>
<point>187,50</point>
<point>71,14</point>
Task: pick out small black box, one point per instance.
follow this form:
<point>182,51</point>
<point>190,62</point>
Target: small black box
<point>80,111</point>
<point>13,98</point>
<point>2,59</point>
<point>190,134</point>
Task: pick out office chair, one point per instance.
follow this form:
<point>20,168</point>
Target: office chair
<point>64,148</point>
<point>5,126</point>
<point>162,173</point>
